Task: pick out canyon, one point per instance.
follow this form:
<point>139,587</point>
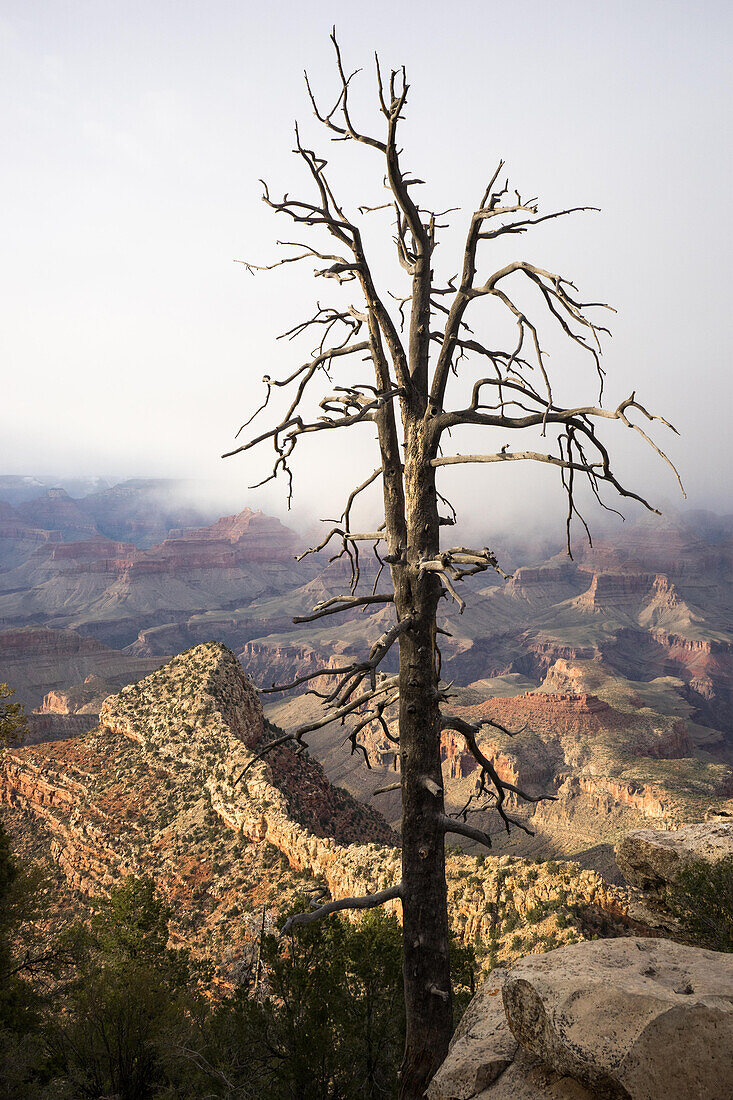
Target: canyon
<point>110,590</point>
<point>617,666</point>
<point>170,784</point>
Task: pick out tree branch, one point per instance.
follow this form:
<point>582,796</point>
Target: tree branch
<point>369,901</point>
<point>501,786</point>
<point>346,603</point>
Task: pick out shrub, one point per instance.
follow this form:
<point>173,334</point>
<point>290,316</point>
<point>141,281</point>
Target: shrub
<point>702,900</point>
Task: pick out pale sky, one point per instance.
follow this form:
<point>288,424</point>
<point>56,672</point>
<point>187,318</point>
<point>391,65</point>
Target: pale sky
<point>133,136</point>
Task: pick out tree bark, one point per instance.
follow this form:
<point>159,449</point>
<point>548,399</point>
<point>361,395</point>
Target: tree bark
<point>428,998</point>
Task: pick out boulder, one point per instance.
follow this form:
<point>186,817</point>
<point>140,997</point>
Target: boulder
<point>651,859</point>
<point>481,1048</point>
<point>639,1019</point>
<point>528,1079</point>
<point>485,1062</point>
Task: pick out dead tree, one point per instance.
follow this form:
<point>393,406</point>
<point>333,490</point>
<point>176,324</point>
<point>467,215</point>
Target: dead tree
<point>412,346</point>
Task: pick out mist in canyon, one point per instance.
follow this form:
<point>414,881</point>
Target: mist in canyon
<point>135,346</point>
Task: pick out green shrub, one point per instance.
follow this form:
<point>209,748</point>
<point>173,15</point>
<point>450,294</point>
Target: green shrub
<point>702,900</point>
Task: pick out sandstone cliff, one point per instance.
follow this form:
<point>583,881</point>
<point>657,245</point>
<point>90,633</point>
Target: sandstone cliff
<point>160,787</point>
<point>112,589</point>
<point>616,755</point>
<point>37,660</point>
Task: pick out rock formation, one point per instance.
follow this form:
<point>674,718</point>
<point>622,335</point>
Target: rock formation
<point>111,590</point>
<point>160,787</point>
<point>621,662</point>
<point>629,1018</point>
<point>651,859</point>
<point>482,1046</point>
<point>616,755</point>
<point>630,603</point>
<point>37,660</point>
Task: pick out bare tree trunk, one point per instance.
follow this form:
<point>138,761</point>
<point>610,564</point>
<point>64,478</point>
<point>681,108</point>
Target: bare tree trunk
<point>428,999</point>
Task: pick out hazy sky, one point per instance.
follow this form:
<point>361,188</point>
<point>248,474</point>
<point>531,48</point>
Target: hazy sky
<point>133,136</point>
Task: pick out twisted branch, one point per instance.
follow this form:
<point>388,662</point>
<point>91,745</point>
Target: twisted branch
<point>369,901</point>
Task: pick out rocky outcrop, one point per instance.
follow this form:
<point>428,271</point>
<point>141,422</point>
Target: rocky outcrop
<point>283,663</point>
<point>189,706</point>
<point>623,1019</point>
<point>651,859</point>
<point>482,1046</point>
<point>609,589</point>
<point>562,712</point>
<point>169,785</point>
<point>85,698</point>
<point>246,537</point>
<point>255,535</point>
<point>632,1018</point>
<point>607,793</point>
<point>158,788</point>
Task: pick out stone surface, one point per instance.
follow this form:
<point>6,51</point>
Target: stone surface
<point>482,1046</point>
<point>632,1018</point>
<point>529,1079</point>
<point>651,859</point>
<point>485,1062</point>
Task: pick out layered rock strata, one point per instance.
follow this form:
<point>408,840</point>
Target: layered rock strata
<point>37,660</point>
<point>113,590</point>
<point>168,785</point>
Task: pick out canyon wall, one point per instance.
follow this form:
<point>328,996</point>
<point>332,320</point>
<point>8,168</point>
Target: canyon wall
<point>169,785</point>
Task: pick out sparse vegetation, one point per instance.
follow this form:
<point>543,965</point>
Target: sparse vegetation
<point>702,900</point>
<point>13,722</point>
<point>316,1015</point>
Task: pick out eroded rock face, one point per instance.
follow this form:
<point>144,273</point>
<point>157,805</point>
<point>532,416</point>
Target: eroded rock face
<point>651,859</point>
<point>482,1046</point>
<point>35,660</point>
<point>628,1018</point>
<point>158,788</point>
<point>527,1078</point>
<point>485,1061</point>
<point>114,589</point>
<point>167,785</point>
